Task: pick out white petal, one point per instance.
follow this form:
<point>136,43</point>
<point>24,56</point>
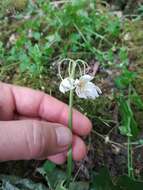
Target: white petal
<point>66,85</point>
<point>90,91</point>
<point>76,83</point>
<point>80,93</point>
<point>98,89</point>
<point>86,78</point>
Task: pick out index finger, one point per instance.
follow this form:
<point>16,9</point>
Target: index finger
<point>32,103</point>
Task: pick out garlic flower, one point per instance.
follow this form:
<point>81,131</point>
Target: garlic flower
<point>83,87</point>
<point>86,89</point>
<point>66,85</point>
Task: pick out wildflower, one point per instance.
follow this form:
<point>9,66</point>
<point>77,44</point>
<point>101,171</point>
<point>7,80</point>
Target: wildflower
<point>83,87</point>
<point>67,84</point>
<point>86,89</point>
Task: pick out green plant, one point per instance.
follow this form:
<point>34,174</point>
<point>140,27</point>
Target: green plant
<point>83,88</point>
<point>129,125</point>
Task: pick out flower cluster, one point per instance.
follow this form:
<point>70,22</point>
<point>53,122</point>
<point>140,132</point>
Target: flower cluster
<point>83,86</point>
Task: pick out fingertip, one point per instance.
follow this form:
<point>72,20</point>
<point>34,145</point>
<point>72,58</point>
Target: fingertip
<point>79,149</point>
<point>88,125</point>
<point>84,126</point>
<point>58,158</point>
<point>64,136</point>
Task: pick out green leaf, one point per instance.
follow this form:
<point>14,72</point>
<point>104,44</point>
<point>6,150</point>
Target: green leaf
<point>35,53</point>
<point>79,186</point>
<point>73,186</point>
<point>52,175</point>
<point>102,181</point>
<point>140,141</point>
<point>125,79</point>
<point>60,186</point>
<point>129,126</point>
<point>125,183</point>
<point>113,27</point>
<point>54,38</point>
<point>136,100</point>
<point>74,37</point>
<point>25,62</point>
<point>2,50</point>
<point>123,55</point>
<point>49,166</point>
<point>17,183</point>
<point>36,35</point>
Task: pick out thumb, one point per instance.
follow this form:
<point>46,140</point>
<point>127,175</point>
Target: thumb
<point>29,139</point>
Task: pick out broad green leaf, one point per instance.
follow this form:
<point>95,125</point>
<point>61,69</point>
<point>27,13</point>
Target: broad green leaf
<point>36,35</point>
<point>53,177</point>
<point>129,126</point>
<point>49,166</point>
<point>17,183</point>
<point>102,181</point>
<point>125,183</point>
<point>125,79</point>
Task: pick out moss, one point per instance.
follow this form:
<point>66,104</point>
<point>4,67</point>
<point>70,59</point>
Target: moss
<point>128,6</point>
<point>7,28</point>
<point>132,37</point>
<point>9,6</point>
<point>18,4</point>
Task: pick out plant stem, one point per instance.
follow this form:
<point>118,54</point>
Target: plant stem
<point>130,159</point>
<point>132,168</point>
<point>69,160</point>
<point>129,151</point>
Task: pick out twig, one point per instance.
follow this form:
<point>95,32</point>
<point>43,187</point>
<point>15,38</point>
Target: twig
<point>104,137</point>
<point>59,2</point>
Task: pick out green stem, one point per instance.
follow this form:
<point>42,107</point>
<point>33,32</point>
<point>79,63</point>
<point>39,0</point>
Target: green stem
<point>69,160</point>
<point>129,151</point>
<point>129,164</point>
<point>128,147</point>
<point>132,168</point>
<point>130,159</point>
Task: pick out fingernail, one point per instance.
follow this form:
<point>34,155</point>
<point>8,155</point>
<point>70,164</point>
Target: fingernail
<point>64,136</point>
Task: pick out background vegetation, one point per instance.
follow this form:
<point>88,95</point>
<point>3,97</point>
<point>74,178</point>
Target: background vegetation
<point>34,37</point>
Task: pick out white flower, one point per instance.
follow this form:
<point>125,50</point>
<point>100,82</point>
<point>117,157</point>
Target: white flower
<point>86,89</point>
<point>83,87</point>
<point>67,84</point>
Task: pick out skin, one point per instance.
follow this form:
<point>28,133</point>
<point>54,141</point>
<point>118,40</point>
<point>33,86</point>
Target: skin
<point>33,125</point>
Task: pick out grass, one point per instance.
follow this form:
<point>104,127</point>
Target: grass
<point>34,38</point>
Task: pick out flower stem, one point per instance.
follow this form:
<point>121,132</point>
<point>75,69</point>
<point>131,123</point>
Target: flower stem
<point>130,160</point>
<point>69,160</point>
<point>129,150</point>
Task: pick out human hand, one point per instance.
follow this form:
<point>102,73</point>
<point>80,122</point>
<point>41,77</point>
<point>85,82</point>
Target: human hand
<point>33,126</point>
